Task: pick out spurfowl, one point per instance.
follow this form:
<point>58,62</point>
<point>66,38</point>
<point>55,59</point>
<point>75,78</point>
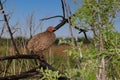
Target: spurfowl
<point>41,41</point>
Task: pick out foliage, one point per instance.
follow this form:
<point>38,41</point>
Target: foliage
<point>96,15</point>
<point>99,16</point>
<point>112,53</point>
<point>49,74</point>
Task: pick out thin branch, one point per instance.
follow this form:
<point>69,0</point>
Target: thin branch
<point>68,12</point>
<point>65,20</point>
<point>68,7</point>
<point>61,24</point>
<point>63,9</point>
<point>2,31</point>
<point>8,26</point>
<point>52,17</point>
<point>85,36</point>
<point>11,35</point>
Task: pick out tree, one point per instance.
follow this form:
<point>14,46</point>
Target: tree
<point>97,15</point>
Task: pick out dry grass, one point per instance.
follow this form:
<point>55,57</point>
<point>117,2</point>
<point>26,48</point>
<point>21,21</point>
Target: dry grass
<point>58,50</point>
<point>54,50</point>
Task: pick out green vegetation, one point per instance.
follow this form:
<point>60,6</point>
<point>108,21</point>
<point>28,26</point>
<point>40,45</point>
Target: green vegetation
<point>97,60</point>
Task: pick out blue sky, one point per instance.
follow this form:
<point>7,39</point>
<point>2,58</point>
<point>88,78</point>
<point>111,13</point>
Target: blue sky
<point>41,9</point>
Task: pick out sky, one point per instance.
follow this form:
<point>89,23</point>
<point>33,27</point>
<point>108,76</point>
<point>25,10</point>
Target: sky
<point>22,9</point>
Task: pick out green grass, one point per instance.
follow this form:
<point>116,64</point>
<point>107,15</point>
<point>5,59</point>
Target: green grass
<point>74,67</point>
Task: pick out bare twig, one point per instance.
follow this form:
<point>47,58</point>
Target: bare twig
<point>52,17</point>
<point>63,9</point>
<point>102,73</point>
<point>8,26</point>
<point>68,12</point>
<point>61,24</point>
<point>6,67</point>
<point>31,24</point>
<point>11,35</point>
<point>2,31</point>
<point>84,32</point>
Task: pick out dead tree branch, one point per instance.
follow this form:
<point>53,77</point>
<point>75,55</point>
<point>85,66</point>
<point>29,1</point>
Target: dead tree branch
<point>8,26</point>
<point>64,21</point>
<point>11,35</point>
<point>63,9</point>
<point>21,76</point>
<point>44,64</point>
<point>2,31</point>
<point>32,56</point>
<point>68,12</point>
<point>32,73</point>
<point>53,17</point>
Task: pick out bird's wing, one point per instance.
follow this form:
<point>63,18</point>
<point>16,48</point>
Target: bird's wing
<point>41,41</point>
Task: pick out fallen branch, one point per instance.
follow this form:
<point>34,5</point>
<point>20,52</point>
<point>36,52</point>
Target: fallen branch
<point>21,56</point>
<point>20,76</point>
<point>43,63</point>
<point>33,73</point>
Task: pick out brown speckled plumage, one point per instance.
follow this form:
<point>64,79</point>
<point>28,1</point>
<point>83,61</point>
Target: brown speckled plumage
<point>41,41</point>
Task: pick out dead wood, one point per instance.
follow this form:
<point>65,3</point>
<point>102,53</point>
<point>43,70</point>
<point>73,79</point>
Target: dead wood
<point>32,73</point>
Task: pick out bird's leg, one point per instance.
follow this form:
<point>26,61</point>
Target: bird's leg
<point>35,60</point>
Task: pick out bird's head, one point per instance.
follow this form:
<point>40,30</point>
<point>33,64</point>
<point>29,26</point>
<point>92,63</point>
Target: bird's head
<point>51,29</point>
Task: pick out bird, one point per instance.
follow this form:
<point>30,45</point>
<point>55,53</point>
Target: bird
<point>41,41</point>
